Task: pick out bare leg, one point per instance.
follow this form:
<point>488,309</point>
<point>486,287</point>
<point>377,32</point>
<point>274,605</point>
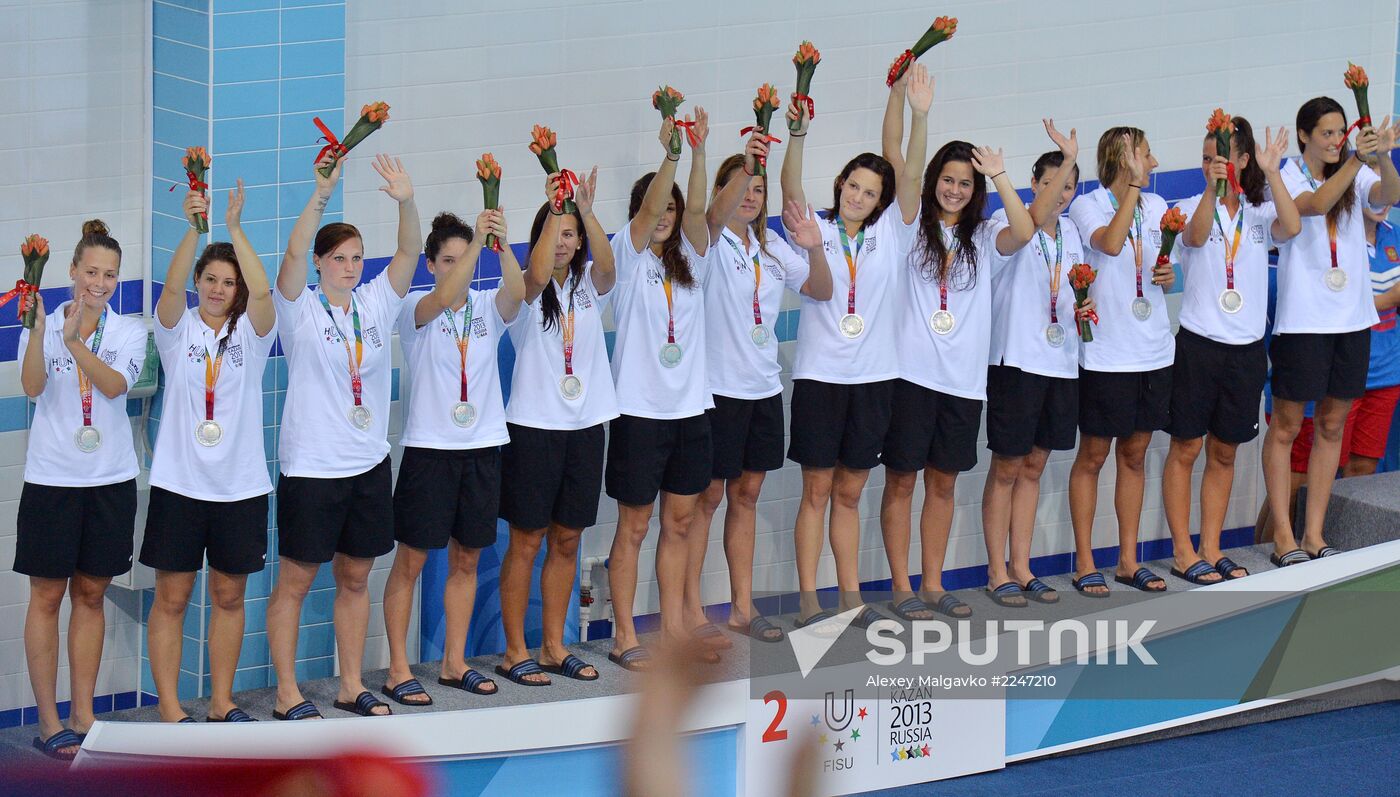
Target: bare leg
<point>896,526</point>
<point>740,524</point>
<point>87,626</point>
<point>632,522</point>
<point>351,614</point>
<point>697,545</point>
<point>1216,485</point>
<point>398,611</point>
<point>1176,498</point>
<point>556,585</point>
<point>164,638</point>
<point>1131,454</point>
<point>808,533</point>
<point>458,598</point>
<point>226,592</point>
<point>41,651</point>
<point>517,570</point>
<point>674,549</point>
<point>283,623</point>
<point>1024,498</point>
<point>1084,501</point>
<point>1329,421</point>
<point>845,531</point>
<point>1284,425</point>
<point>997,509</point>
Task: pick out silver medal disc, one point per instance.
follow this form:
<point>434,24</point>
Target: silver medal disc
<point>852,325</point>
<point>1142,309</point>
<point>360,416</point>
<point>942,322</point>
<point>1055,335</point>
<point>671,355</point>
<point>1336,279</point>
<point>571,387</point>
<point>759,335</point>
<point>1231,301</point>
<point>209,433</point>
<point>463,414</point>
<point>88,439</point>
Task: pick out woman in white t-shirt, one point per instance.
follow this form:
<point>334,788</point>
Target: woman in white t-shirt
<point>847,362</point>
<point>561,394</point>
<point>334,495</point>
<point>78,504</point>
<point>1033,370</point>
<point>742,299</point>
<point>449,482</point>
<point>660,442</point>
<point>1221,364</point>
<point>209,481</point>
<point>1125,379</point>
<point>1321,343</point>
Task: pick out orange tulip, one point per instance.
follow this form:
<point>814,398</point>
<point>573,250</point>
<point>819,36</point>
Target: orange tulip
<point>1173,221</point>
<point>807,53</point>
<point>487,167</point>
<point>946,25</point>
<point>34,245</point>
<point>376,112</point>
<point>1355,77</point>
<point>542,139</point>
<point>1219,120</point>
<point>767,95</point>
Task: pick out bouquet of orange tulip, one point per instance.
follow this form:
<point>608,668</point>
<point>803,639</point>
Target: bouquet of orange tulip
<point>667,100</point>
<point>805,59</point>
<point>1356,80</point>
<point>1173,222</point>
<point>1081,276</point>
<point>543,141</point>
<point>488,171</point>
<point>940,31</point>
<point>372,117</point>
<point>35,251</point>
<point>763,107</point>
<point>1222,127</point>
<point>196,163</point>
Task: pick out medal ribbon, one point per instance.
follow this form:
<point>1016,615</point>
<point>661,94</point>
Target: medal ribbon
<point>85,384</point>
<point>211,375</point>
<point>850,262</point>
<point>948,268</point>
<point>670,311</point>
<point>1136,240</point>
<point>464,338</point>
<point>1331,225</point>
<point>1054,270</point>
<point>757,279</point>
<point>1232,250</point>
<point>353,358</point>
<point>568,334</point>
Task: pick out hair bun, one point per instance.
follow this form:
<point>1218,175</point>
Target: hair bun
<point>447,221</point>
<point>95,227</point>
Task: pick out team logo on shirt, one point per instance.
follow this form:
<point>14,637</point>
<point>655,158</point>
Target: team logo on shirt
<point>1256,233</point>
<point>372,335</point>
<point>108,357</point>
<point>1392,255</point>
<point>654,275</point>
<point>61,365</point>
<point>331,334</point>
<point>829,247</point>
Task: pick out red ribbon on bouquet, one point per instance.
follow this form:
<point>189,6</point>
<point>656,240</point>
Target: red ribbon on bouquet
<point>898,66</point>
<point>1092,315</point>
<point>25,292</point>
<point>1234,180</point>
<point>564,188</point>
<point>195,183</point>
<point>689,133</point>
<point>768,138</point>
<point>811,106</point>
<point>333,145</point>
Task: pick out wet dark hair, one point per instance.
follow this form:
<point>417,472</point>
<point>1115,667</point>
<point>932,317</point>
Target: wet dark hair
<point>673,259</point>
<point>1251,177</point>
<point>931,248</point>
<point>875,163</point>
<point>446,226</point>
<point>96,233</point>
<point>727,168</point>
<point>1309,115</point>
<point>223,251</point>
<point>550,306</point>
<point>333,235</point>
<point>1050,160</point>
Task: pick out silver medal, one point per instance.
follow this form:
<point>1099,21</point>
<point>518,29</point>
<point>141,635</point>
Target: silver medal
<point>209,433</point>
<point>1336,279</point>
<point>1231,301</point>
<point>463,414</point>
<point>759,335</point>
<point>852,325</point>
<point>1055,335</point>
<point>671,355</point>
<point>1142,309</point>
<point>360,416</point>
<point>571,387</point>
<point>88,439</point>
<point>942,322</point>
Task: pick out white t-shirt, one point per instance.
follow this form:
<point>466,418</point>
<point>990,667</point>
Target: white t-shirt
<point>955,363</point>
<point>738,368</point>
<point>236,468</point>
<point>645,387</point>
<point>318,439</point>
<point>823,353</point>
<point>1305,304</point>
<point>435,375</point>
<point>1021,304</point>
<point>53,458</point>
<point>535,400</point>
<point>1122,342</point>
<point>1203,268</point>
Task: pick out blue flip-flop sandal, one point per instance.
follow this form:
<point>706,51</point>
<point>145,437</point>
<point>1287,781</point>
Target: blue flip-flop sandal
<point>471,681</point>
<point>1142,579</point>
<point>1094,579</point>
<point>52,745</point>
<point>571,667</point>
<point>407,689</point>
<point>364,705</point>
<point>1197,573</point>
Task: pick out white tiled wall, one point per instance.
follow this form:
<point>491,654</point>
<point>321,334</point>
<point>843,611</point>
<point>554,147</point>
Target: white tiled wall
<point>73,146</point>
<point>466,78</point>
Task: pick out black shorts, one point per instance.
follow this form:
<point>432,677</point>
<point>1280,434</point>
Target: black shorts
<point>180,529</point>
<point>319,518</point>
<point>552,476</point>
<point>1026,411</point>
<point>747,435</point>
<point>1216,388</point>
<point>834,423</point>
<point>444,493</point>
<point>1313,367</point>
<point>66,530</point>
<point>931,428</point>
<point>647,455</point>
<point>1118,404</point>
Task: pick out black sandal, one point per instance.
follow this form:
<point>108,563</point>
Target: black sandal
<point>364,705</point>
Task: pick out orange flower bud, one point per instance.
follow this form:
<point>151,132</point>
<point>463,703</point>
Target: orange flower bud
<point>807,53</point>
<point>34,244</point>
<point>487,167</point>
<point>542,138</point>
<point>1219,120</point>
<point>377,112</point>
<point>946,25</point>
<point>1355,77</point>
<point>767,95</point>
<point>1081,275</point>
<point>1173,220</point>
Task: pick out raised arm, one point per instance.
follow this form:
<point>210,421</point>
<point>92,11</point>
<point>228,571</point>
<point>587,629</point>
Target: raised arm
<point>892,128</point>
<point>260,308</point>
<point>1320,200</point>
<point>454,281</point>
<point>909,179</point>
<point>1197,230</point>
<point>658,194</point>
<point>805,234</point>
<point>540,263</point>
<point>790,177</point>
<point>1387,191</point>
<point>34,371</point>
<point>291,277</point>
<point>992,164</point>
<point>1045,202</point>
<point>171,304</point>
<point>107,380</point>
<point>512,290</point>
<point>1270,158</point>
<point>604,267</point>
<point>410,238</point>
<point>1110,239</point>
<point>694,222</point>
<point>727,201</point>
